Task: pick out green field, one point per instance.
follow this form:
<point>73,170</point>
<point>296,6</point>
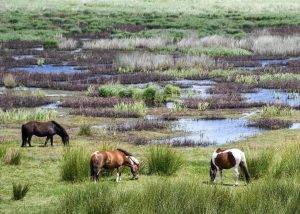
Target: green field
<point>121,44</point>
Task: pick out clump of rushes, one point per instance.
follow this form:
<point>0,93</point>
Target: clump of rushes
<point>85,130</point>
<point>153,95</point>
<point>12,157</point>
<point>163,160</point>
<point>20,115</point>
<point>19,191</point>
<point>9,81</point>
<point>75,164</point>
<point>128,108</point>
<point>276,111</point>
<point>259,163</point>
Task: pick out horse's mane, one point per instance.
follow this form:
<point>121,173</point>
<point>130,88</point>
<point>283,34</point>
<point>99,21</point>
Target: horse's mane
<point>125,152</point>
<point>60,127</point>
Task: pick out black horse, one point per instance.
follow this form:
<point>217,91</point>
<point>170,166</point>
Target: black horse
<point>43,129</point>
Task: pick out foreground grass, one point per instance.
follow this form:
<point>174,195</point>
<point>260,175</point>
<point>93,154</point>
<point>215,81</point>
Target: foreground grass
<point>40,168</point>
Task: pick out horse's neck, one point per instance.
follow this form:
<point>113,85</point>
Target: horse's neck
<point>59,131</point>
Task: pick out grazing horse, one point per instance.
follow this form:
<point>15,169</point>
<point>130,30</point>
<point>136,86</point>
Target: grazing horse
<point>226,159</point>
<point>111,160</point>
<point>43,129</point>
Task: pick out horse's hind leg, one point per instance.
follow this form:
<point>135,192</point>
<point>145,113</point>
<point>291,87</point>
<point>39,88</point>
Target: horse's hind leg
<point>29,140</point>
<point>24,140</point>
<point>118,179</point>
<point>47,138</point>
<point>236,175</point>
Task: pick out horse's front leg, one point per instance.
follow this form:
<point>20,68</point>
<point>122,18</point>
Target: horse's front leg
<point>51,140</point>
<point>47,138</point>
<point>118,179</point>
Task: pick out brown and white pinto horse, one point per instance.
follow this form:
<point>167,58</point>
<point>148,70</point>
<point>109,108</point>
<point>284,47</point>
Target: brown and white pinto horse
<point>227,159</point>
<point>113,160</point>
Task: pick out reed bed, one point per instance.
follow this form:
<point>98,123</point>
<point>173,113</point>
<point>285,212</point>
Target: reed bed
<point>22,115</point>
<point>270,123</point>
<point>277,111</point>
<point>140,125</point>
<point>92,112</point>
<point>15,101</point>
<point>95,102</point>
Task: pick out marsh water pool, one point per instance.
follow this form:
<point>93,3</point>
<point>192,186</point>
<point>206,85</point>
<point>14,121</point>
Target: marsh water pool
<point>48,69</point>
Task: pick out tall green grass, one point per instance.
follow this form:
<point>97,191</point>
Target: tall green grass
<point>163,160</point>
<point>21,115</point>
<point>127,108</point>
<point>276,111</point>
<point>259,164</point>
<point>12,156</point>
<point>85,130</point>
<point>19,191</point>
<point>183,196</point>
<point>75,164</point>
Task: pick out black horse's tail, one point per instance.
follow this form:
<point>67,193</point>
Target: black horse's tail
<point>244,168</point>
<point>24,135</point>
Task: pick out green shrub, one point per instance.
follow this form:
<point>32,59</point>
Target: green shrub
<point>85,130</point>
<point>172,90</point>
<point>19,191</point>
<point>259,164</point>
<point>75,164</point>
<point>40,61</point>
<point>163,160</point>
<point>12,157</point>
<point>9,81</point>
<point>110,90</point>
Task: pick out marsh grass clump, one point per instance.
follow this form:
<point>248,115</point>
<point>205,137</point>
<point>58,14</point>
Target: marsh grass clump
<point>270,123</point>
<point>276,111</point>
<point>12,157</point>
<point>85,130</point>
<point>75,164</point>
<point>259,164</point>
<point>19,191</point>
<point>138,108</point>
<point>9,81</point>
<point>136,62</point>
<point>20,115</point>
<point>66,43</point>
<point>172,90</point>
<point>163,160</point>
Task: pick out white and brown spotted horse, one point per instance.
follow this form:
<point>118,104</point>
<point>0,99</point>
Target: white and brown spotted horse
<point>227,159</point>
<point>113,160</point>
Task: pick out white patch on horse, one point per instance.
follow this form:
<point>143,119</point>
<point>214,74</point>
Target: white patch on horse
<point>134,160</point>
<point>118,177</point>
<point>95,153</point>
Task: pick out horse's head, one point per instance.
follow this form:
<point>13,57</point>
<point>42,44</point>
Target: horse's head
<point>212,172</point>
<point>135,167</point>
<point>65,140</point>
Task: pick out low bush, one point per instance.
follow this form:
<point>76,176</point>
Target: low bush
<point>9,81</point>
<point>75,164</point>
<point>163,160</point>
<point>85,130</point>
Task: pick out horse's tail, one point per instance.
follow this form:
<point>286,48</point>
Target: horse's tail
<point>24,135</point>
<point>244,168</point>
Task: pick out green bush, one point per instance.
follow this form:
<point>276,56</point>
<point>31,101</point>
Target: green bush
<point>110,90</point>
<point>172,90</point>
<point>12,157</point>
<point>75,164</point>
<point>163,160</point>
<point>19,191</point>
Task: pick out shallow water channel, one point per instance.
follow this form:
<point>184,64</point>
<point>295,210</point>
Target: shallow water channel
<point>48,68</point>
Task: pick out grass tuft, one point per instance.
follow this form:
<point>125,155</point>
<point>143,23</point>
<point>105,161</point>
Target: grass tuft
<point>19,191</point>
<point>12,157</point>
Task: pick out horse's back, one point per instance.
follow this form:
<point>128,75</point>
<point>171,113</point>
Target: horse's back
<point>227,158</point>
